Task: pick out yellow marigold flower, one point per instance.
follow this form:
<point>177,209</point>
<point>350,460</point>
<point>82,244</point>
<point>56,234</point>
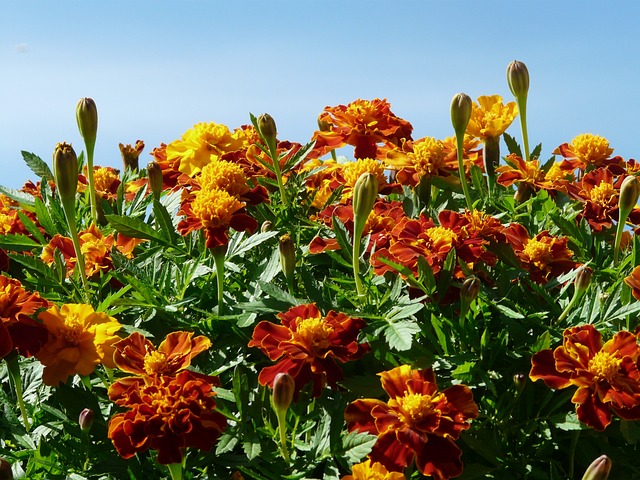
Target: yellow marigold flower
<point>590,148</point>
<point>225,176</point>
<point>369,470</point>
<point>352,170</point>
<point>79,339</point>
<point>490,117</point>
<point>202,144</point>
<point>215,207</point>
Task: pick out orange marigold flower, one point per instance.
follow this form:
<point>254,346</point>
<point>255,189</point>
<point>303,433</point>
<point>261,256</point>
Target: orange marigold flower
<point>544,256</point>
<point>106,181</point>
<point>137,355</point>
<point>167,414</point>
<point>531,173</point>
<point>17,329</point>
<point>599,192</point>
<point>586,150</point>
<point>606,375</point>
<point>415,160</point>
<point>471,155</point>
<point>363,124</point>
<point>369,470</point>
<point>490,117</point>
<point>418,422</point>
<point>79,339</point>
<point>308,345</point>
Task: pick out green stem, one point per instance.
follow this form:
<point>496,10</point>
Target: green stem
<point>619,231</point>
<point>358,227</point>
<point>92,190</point>
<point>572,451</point>
<point>334,156</point>
<point>273,153</point>
<point>463,174</point>
<point>175,470</point>
<point>522,108</point>
<point>491,157</point>
<point>13,367</point>
<point>70,213</point>
<point>282,429</point>
<point>218,257</point>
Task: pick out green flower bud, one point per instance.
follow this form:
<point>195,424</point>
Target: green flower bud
<point>86,419</point>
<point>599,469</point>
<point>87,117</point>
<point>470,289</point>
<point>520,381</point>
<point>283,389</point>
<point>518,79</point>
<point>365,194</point>
<point>266,226</point>
<point>287,256</point>
<point>267,127</point>
<point>461,107</point>
<point>131,154</point>
<point>323,125</point>
<point>65,171</point>
<point>629,192</point>
<point>154,172</point>
<point>583,279</point>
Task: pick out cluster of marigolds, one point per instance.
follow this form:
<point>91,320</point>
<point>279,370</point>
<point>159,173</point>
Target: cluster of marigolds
<point>219,172</point>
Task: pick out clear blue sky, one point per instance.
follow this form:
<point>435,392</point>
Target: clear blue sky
<point>157,67</point>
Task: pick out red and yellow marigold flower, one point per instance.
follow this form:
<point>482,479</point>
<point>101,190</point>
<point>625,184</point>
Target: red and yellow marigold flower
<point>419,422</point>
<point>490,118</point>
<point>308,346</point>
<point>599,191</point>
<point>425,157</point>
<point>17,329</point>
<point>166,414</point>
<point>369,470</point>
<point>471,155</point>
<point>106,181</point>
<point>79,339</point>
<point>519,171</point>
<point>369,126</point>
<point>137,355</point>
<point>586,150</point>
<point>606,374</point>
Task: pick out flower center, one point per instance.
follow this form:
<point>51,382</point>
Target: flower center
<point>428,156</point>
<point>555,173</point>
<point>591,148</point>
<point>414,407</point>
<point>537,252</point>
<point>103,178</point>
<point>155,362</point>
<point>353,170</point>
<point>73,329</point>
<point>224,176</point>
<point>6,222</point>
<point>604,366</point>
<point>5,298</point>
<point>313,333</point>
<point>441,237</point>
<point>603,194</point>
<point>215,207</point>
<point>361,110</point>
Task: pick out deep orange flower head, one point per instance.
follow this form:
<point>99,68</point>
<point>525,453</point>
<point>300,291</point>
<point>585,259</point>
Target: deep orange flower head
<point>106,181</point>
<point>369,470</point>
<point>17,329</point>
<point>599,190</point>
<point>369,126</point>
<point>586,150</point>
<point>137,355</point>
<point>519,171</point>
<point>490,117</point>
<point>308,345</point>
<point>606,374</point>
<point>166,414</point>
<point>79,340</point>
<point>418,422</point>
<point>414,160</point>
<point>471,155</point>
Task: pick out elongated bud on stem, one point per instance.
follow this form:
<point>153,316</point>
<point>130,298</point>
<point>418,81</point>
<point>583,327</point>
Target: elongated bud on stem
<point>520,381</point>
<point>365,193</point>
<point>583,279</point>
<point>154,172</point>
<point>283,389</point>
<point>518,78</point>
<point>461,107</point>
<point>131,154</point>
<point>323,125</point>
<point>86,419</point>
<point>267,127</point>
<point>287,258</point>
<point>65,171</point>
<point>629,193</point>
<point>599,469</point>
<point>87,117</point>
<point>5,470</point>
<point>470,289</point>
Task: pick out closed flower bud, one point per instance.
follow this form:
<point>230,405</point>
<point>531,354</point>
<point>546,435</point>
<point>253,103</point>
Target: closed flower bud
<point>518,79</point>
<point>461,107</point>
<point>5,470</point>
<point>365,193</point>
<point>599,469</point>
<point>267,127</point>
<point>266,226</point>
<point>287,256</point>
<point>65,171</point>
<point>131,154</point>
<point>283,389</point>
<point>629,192</point>
<point>520,381</point>
<point>470,289</point>
<point>323,125</point>
<point>86,419</point>
<point>583,279</point>
<point>154,172</point>
<point>87,117</point>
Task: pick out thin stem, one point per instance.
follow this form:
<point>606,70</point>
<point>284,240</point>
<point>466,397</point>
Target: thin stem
<point>218,257</point>
<point>92,190</point>
<point>522,108</point>
<point>491,157</point>
<point>273,153</point>
<point>356,265</point>
<point>619,232</point>
<point>13,367</point>
<point>69,213</point>
<point>175,470</point>
<point>282,429</point>
<point>463,175</point>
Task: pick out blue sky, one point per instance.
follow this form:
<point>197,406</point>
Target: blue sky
<point>155,68</point>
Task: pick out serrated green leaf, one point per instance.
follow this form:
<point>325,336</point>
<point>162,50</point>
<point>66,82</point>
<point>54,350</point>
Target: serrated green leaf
<point>31,228</point>
<point>357,445</point>
<point>136,228</point>
<point>399,334</point>
<point>512,145</point>
<point>44,217</point>
<point>25,200</point>
<point>37,165</point>
<point>252,449</point>
<point>509,312</point>
<point>243,245</point>
<point>17,242</point>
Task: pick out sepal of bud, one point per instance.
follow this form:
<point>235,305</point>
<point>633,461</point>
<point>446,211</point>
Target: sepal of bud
<point>520,381</point>
<point>154,173</point>
<point>470,289</point>
<point>365,194</point>
<point>287,256</point>
<point>518,79</point>
<point>130,154</point>
<point>323,125</point>
<point>283,389</point>
<point>87,117</point>
<point>583,279</point>
<point>85,420</point>
<point>629,193</point>
<point>267,127</point>
<point>65,171</point>
<point>599,469</point>
<point>461,107</point>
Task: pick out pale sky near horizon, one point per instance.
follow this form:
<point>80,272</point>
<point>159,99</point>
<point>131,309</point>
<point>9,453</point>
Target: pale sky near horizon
<point>155,68</point>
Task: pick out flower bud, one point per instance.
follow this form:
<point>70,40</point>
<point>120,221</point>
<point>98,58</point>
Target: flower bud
<point>130,154</point>
<point>323,125</point>
<point>266,226</point>
<point>287,256</point>
<point>65,171</point>
<point>283,389</point>
<point>629,192</point>
<point>599,469</point>
<point>5,470</point>
<point>520,381</point>
<point>470,289</point>
<point>461,107</point>
<point>518,79</point>
<point>365,194</point>
<point>154,172</point>
<point>267,127</point>
<point>86,419</point>
<point>583,279</point>
<point>87,117</point>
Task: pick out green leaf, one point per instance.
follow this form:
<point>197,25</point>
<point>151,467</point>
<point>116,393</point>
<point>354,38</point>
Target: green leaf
<point>17,242</point>
<point>32,228</point>
<point>25,200</point>
<point>164,220</point>
<point>44,217</point>
<point>399,334</point>
<point>136,228</point>
<point>512,145</point>
<point>252,448</point>
<point>509,312</point>
<point>237,247</point>
<point>37,165</point>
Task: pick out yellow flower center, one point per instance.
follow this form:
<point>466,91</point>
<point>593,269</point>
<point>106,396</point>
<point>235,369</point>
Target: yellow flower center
<point>214,207</point>
<point>5,223</point>
<point>604,366</point>
<point>603,194</point>
<point>441,237</point>
<point>537,252</point>
<point>73,329</point>
<point>224,176</point>
<point>155,362</point>
<point>353,170</point>
<point>591,148</point>
<point>103,178</point>
<point>5,297</point>
<point>555,173</point>
<point>414,407</point>
<point>313,333</point>
<point>428,156</point>
<point>361,109</point>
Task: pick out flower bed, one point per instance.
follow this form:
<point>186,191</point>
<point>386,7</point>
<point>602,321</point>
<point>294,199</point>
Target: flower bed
<point>250,307</point>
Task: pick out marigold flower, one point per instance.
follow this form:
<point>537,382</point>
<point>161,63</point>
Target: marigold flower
<point>418,422</point>
<point>79,339</point>
<point>167,414</point>
<point>414,160</point>
<point>586,150</point>
<point>530,173</point>
<point>606,374</point>
<point>600,192</point>
<point>131,154</point>
<point>490,117</point>
<point>633,280</point>
<point>137,355</point>
<point>364,124</point>
<point>17,329</point>
<point>106,181</point>
<point>369,470</point>
<point>308,345</point>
